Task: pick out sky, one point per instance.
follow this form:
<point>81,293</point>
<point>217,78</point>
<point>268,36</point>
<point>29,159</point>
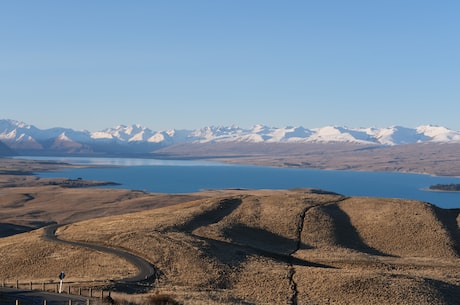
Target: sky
<point>189,64</point>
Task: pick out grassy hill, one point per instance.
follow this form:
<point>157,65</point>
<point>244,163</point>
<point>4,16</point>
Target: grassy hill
<point>261,247</point>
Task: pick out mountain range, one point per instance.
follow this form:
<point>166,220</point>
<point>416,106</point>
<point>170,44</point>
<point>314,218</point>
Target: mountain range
<point>24,138</point>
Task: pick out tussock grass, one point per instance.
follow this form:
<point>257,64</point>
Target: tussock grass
<point>156,299</point>
<point>271,247</point>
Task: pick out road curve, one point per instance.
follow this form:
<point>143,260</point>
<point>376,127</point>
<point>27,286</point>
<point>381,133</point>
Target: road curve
<point>146,270</point>
<point>33,297</point>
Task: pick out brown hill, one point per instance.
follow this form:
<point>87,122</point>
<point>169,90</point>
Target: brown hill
<point>390,227</point>
<point>267,247</point>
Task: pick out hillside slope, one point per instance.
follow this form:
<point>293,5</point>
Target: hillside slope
<point>5,150</point>
<point>290,247</point>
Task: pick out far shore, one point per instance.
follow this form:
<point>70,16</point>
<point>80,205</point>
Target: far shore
<point>27,165</point>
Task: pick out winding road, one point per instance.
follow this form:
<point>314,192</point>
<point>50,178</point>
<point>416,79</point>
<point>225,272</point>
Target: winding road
<point>146,270</point>
<point>32,297</point>
<point>146,275</point>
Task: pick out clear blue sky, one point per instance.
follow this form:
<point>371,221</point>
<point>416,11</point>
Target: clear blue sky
<point>92,64</point>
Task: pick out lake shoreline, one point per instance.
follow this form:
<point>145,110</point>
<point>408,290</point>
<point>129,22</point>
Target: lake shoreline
<point>189,176</point>
<point>224,160</point>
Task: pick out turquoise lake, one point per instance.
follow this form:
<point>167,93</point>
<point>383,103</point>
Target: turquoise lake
<point>177,176</point>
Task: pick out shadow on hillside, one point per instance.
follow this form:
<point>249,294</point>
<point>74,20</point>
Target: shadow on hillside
<point>261,239</point>
<point>224,208</point>
<point>449,220</point>
<point>449,293</point>
<point>346,234</point>
<point>244,241</point>
<point>234,254</point>
<point>9,229</point>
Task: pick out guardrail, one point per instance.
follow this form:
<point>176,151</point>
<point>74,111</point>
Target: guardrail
<point>94,295</point>
<point>46,303</point>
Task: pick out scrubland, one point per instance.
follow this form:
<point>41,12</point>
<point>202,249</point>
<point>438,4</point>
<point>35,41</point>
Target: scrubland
<point>298,246</point>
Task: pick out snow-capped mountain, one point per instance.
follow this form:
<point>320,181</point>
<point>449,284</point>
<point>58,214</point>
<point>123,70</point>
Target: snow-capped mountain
<point>135,138</point>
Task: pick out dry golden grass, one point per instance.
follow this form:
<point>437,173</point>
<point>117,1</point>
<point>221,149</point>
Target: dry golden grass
<point>242,246</point>
<point>237,245</point>
<point>33,206</point>
<point>385,251</point>
<point>27,257</point>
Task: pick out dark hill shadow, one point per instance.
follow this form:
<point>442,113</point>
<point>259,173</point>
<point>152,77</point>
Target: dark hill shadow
<point>346,234</point>
<point>234,254</point>
<point>224,208</point>
<point>449,293</point>
<point>448,218</point>
<point>9,229</point>
<point>261,239</point>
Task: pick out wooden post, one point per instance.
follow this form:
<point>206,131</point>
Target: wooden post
<point>79,290</point>
<point>87,301</point>
<point>17,302</point>
<point>69,289</point>
<point>44,302</point>
<point>91,292</point>
<point>70,302</point>
<point>102,294</point>
<point>31,285</point>
<point>17,285</point>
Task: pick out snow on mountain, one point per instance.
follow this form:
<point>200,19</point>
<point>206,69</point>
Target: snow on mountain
<point>439,133</point>
<point>217,134</point>
<point>124,133</point>
<point>159,137</point>
<point>288,134</point>
<point>398,135</point>
<point>294,134</point>
<point>63,142</point>
<point>24,141</point>
<point>19,135</point>
<point>11,130</point>
<point>340,134</point>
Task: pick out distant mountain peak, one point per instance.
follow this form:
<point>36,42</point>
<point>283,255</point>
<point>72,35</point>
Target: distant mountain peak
<point>19,135</point>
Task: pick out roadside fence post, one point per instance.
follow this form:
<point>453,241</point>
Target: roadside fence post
<point>69,290</point>
<point>79,290</point>
<point>44,302</point>
<point>91,292</point>
<point>17,285</point>
<point>17,302</point>
<point>31,285</point>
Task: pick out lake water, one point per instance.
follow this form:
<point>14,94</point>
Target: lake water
<point>175,176</point>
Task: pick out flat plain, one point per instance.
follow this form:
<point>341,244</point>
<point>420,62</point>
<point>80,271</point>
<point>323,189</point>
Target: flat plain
<point>423,158</point>
<point>300,246</point>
